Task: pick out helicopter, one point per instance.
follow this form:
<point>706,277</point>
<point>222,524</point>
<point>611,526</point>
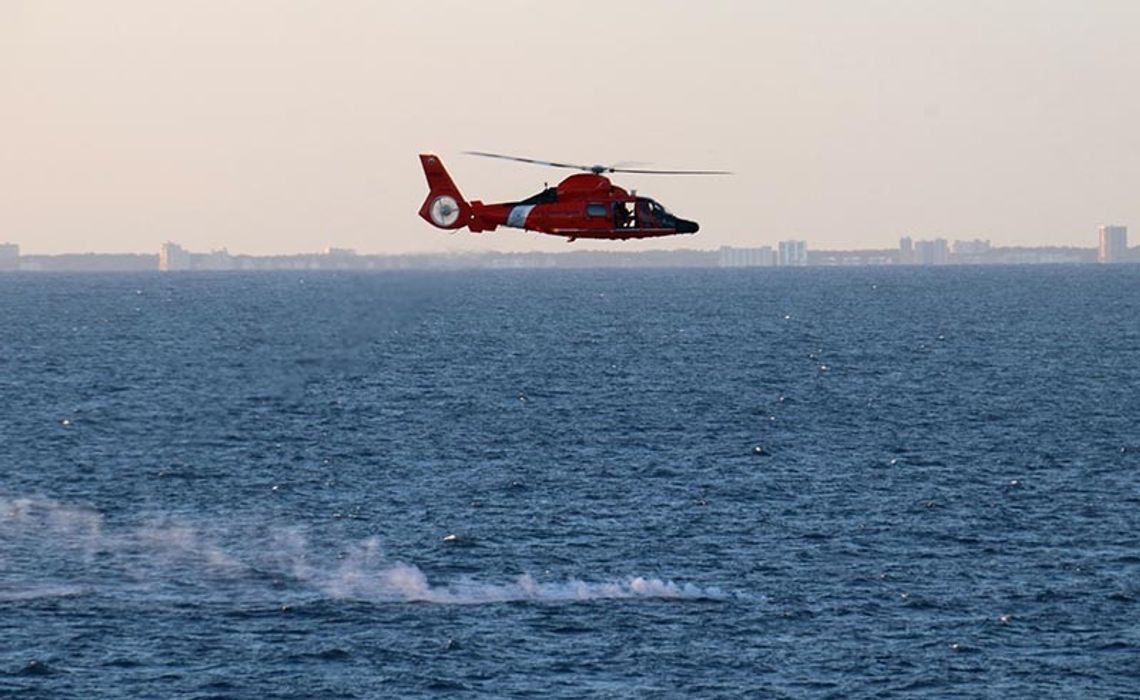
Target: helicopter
<point>584,205</point>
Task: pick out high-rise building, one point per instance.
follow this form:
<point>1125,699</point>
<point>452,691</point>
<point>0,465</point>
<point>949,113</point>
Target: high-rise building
<point>9,256</point>
<point>1113,244</point>
<point>172,256</point>
<point>934,252</point>
<point>906,251</point>
<point>793,253</point>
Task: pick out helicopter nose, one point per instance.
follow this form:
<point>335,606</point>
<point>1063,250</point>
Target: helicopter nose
<point>686,226</point>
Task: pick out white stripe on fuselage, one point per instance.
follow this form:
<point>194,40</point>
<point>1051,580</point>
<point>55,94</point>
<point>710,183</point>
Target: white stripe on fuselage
<point>517,217</point>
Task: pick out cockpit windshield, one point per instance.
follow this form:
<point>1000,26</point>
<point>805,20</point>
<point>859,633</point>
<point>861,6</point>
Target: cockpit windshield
<point>654,208</point>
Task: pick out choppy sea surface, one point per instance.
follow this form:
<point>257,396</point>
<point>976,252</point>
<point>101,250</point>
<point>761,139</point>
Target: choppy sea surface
<point>698,483</point>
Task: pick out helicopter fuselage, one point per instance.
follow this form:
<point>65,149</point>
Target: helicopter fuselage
<point>585,205</point>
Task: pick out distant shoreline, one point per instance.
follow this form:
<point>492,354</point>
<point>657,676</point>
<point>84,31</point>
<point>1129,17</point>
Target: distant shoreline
<point>725,257</point>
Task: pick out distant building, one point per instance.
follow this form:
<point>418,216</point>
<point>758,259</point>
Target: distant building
<point>214,260</point>
<point>852,258</point>
<point>1113,244</point>
<point>1040,256</point>
<point>172,256</point>
<point>975,252</point>
<point>338,258</point>
<point>934,252</point>
<point>906,251</point>
<point>793,254</point>
<point>9,256</point>
<point>969,249</point>
<point>746,257</point>
<point>90,262</point>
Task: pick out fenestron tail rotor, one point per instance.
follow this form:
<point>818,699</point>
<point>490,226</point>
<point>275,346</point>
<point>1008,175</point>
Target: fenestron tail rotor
<point>596,169</point>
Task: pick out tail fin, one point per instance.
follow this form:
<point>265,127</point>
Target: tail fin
<point>444,206</point>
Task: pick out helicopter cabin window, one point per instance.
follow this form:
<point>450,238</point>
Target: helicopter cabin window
<point>595,209</point>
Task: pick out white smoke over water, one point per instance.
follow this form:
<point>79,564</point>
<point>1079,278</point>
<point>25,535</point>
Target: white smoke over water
<point>39,535</point>
<point>365,576</point>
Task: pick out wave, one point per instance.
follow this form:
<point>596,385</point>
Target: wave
<point>19,593</point>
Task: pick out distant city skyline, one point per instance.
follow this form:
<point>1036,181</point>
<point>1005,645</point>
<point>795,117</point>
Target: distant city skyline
<point>1110,245</point>
<point>265,127</point>
<point>172,257</point>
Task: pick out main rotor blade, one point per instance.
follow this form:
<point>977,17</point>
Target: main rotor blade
<point>552,164</point>
<point>669,172</point>
<point>598,169</point>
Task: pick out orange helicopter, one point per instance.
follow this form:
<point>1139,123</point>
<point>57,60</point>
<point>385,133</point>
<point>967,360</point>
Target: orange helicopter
<point>586,205</point>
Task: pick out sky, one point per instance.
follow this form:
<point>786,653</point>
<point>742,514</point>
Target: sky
<point>276,126</point>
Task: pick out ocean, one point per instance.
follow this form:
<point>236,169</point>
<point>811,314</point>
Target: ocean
<point>835,483</point>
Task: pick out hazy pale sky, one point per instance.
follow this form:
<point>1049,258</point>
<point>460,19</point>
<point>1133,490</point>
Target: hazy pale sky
<point>269,126</point>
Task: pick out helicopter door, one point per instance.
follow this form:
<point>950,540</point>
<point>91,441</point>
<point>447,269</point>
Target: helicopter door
<point>623,215</point>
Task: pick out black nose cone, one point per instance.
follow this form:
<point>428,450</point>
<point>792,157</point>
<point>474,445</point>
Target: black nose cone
<point>686,226</point>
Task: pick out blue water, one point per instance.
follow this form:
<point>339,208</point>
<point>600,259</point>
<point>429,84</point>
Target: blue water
<point>770,483</point>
